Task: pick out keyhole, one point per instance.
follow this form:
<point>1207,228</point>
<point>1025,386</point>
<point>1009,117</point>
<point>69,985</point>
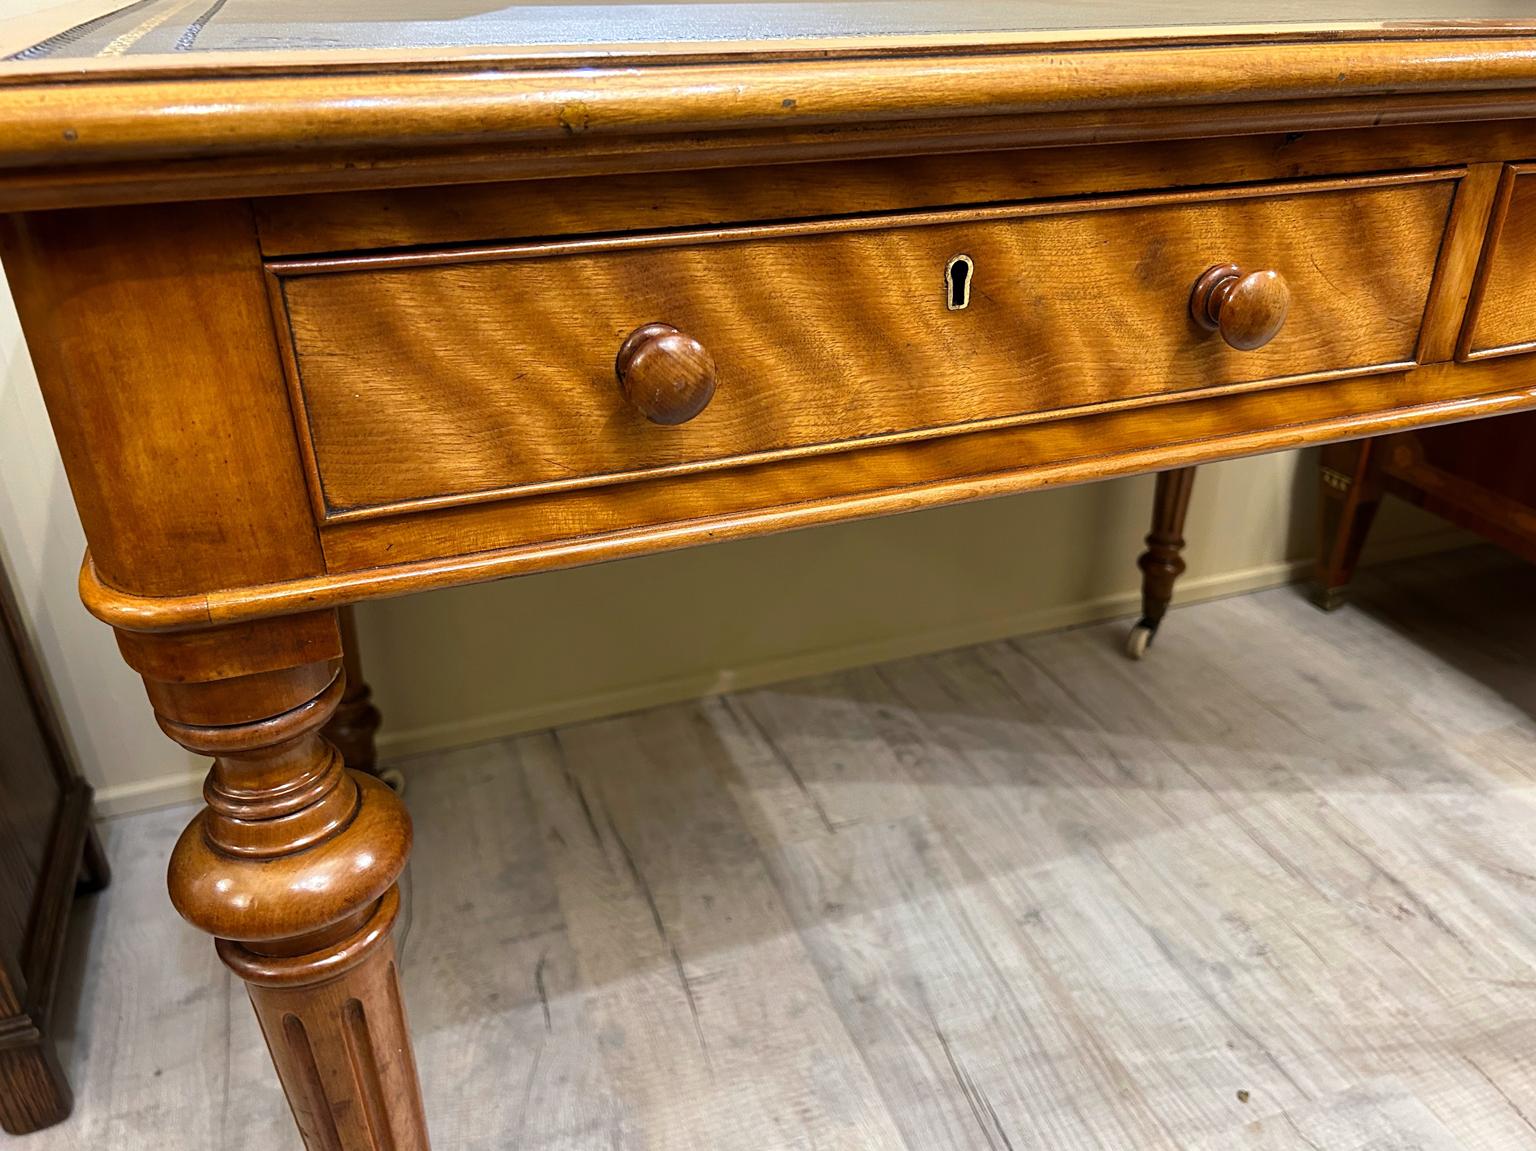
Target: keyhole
<point>957,282</point>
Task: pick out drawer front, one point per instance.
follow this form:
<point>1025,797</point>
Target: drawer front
<point>446,377</point>
<point>1501,318</point>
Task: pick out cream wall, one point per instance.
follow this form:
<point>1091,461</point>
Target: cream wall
<point>477,662</point>
<point>464,665</point>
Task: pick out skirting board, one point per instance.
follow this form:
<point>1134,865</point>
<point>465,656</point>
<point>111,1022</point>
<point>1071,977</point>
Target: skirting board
<point>182,787</point>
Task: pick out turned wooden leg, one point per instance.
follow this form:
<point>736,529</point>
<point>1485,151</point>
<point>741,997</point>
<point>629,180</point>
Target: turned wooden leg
<point>1163,562</point>
<point>33,1091</point>
<point>356,720</point>
<point>1351,493</point>
<point>292,867</point>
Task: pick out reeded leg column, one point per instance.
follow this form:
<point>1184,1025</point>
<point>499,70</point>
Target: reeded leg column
<point>356,720</point>
<point>292,867</point>
<point>1163,561</point>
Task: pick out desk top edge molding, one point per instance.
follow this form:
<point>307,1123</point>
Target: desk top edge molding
<point>133,135</point>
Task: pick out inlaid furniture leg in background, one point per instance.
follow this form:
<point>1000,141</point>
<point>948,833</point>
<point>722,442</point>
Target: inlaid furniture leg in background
<point>1351,493</point>
<point>356,720</point>
<point>34,1092</point>
<point>1163,562</point>
<point>292,868</point>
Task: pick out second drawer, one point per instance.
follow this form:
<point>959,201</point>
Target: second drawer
<point>444,377</point>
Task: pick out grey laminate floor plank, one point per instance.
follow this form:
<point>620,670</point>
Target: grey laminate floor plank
<point>1125,953</point>
<point>490,971</point>
<point>710,1016</point>
<point>1273,889</point>
<point>1395,847</point>
<point>923,961</point>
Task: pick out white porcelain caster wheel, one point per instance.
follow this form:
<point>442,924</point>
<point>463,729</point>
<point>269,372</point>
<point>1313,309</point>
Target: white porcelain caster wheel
<point>395,778</point>
<point>1139,640</point>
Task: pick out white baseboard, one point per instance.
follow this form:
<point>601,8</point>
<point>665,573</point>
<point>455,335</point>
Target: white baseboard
<point>636,697</point>
<point>181,787</point>
<point>148,794</point>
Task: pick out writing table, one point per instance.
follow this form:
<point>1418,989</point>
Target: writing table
<point>338,299</point>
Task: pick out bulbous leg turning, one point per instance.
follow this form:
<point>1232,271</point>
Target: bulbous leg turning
<point>292,867</point>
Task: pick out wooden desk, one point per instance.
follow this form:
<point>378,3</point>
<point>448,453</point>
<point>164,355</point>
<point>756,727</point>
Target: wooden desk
<point>330,310</point>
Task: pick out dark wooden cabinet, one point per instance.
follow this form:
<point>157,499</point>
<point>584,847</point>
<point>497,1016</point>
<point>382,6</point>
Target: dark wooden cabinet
<point>48,851</point>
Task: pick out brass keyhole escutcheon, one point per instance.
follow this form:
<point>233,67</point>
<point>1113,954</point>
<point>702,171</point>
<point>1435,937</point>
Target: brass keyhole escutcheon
<point>958,274</point>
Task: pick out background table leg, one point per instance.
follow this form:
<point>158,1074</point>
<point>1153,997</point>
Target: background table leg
<point>1351,493</point>
<point>1163,562</point>
<point>356,720</point>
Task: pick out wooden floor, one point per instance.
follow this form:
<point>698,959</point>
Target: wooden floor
<point>1273,888</point>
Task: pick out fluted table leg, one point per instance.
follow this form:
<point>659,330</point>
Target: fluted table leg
<point>292,867</point>
<point>336,1028</point>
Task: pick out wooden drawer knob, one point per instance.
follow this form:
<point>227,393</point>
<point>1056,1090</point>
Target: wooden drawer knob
<point>1247,308</point>
<point>666,375</point>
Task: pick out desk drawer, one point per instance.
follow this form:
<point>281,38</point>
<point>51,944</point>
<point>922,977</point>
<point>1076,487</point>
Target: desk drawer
<point>1501,318</point>
<point>443,377</point>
